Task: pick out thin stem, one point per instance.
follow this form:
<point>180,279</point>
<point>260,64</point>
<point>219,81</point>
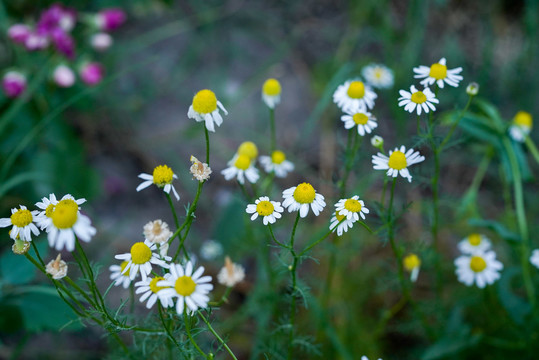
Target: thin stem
<point>455,124</point>
<point>274,239</point>
<point>223,299</point>
<point>167,330</point>
<point>383,200</point>
<point>207,135</point>
<point>435,220</point>
<point>187,321</point>
<point>273,132</point>
<point>391,235</point>
<point>187,223</point>
<point>418,125</point>
<point>221,341</point>
<point>356,143</point>
<point>532,148</point>
<point>176,222</point>
<point>294,284</point>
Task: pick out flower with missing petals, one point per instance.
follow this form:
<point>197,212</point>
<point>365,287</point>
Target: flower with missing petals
<point>201,171</point>
<point>57,268</point>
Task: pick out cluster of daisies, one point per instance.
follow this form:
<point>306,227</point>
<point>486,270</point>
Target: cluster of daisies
<point>478,263</point>
<point>55,31</point>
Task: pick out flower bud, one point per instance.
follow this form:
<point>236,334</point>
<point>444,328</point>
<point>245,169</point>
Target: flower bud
<point>14,84</point>
<point>91,73</point>
<point>378,142</point>
<point>472,89</point>
<point>20,247</point>
<point>63,76</point>
<point>101,41</point>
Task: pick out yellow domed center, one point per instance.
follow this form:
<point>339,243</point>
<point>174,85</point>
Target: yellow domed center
<point>418,97</point>
<point>271,87</point>
<point>339,216</point>
<point>242,162</point>
<point>360,118</point>
<point>264,208</point>
<point>49,210</point>
<point>249,149</point>
<point>153,284</point>
<point>378,73</point>
<point>205,102</point>
<point>21,218</point>
<point>438,71</point>
<point>162,175</point>
<point>140,253</point>
<point>524,119</point>
<point>477,264</point>
<point>474,239</point>
<point>122,268</point>
<point>397,160</point>
<point>356,90</point>
<point>65,214</point>
<point>304,193</point>
<point>278,157</point>
<point>185,286</point>
<point>352,205</point>
<point>411,262</point>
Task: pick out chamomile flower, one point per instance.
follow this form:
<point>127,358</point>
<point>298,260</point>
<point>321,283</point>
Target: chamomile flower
<point>352,208</point>
<point>474,243</point>
<point>231,273</point>
<point>418,100</point>
<point>438,73</point>
<point>241,167</point>
<point>340,223</point>
<point>397,162</point>
<point>301,197</point>
<point>277,163</point>
<point>412,264</point>
<point>157,231</point>
<point>378,76</point>
<point>162,177</point>
<point>152,292</point>
<point>479,268</point>
<point>205,107</point>
<point>119,276</point>
<point>190,288</point>
<point>44,218</point>
<point>534,258</point>
<point>271,92</point>
<point>270,210</point>
<point>22,221</point>
<point>364,121</point>
<point>249,149</point>
<point>521,126</point>
<point>140,259</point>
<point>354,94</point>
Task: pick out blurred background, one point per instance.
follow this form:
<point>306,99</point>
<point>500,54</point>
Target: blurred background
<point>93,141</point>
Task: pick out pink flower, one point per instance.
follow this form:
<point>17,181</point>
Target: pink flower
<point>19,33</point>
<point>63,42</point>
<point>63,76</point>
<point>101,41</point>
<point>56,17</point>
<point>91,73</point>
<point>110,19</point>
<point>13,83</point>
<point>34,41</point>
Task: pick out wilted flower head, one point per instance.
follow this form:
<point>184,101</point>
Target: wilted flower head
<point>201,171</point>
<point>63,76</point>
<point>231,273</point>
<point>57,268</point>
<point>14,84</point>
<point>91,73</point>
<point>157,231</point>
<point>110,19</point>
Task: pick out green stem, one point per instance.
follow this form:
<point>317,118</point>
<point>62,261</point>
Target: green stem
<point>294,284</point>
<point>187,321</point>
<point>532,148</point>
<point>176,222</point>
<point>391,235</point>
<point>207,135</point>
<point>223,299</point>
<point>167,330</point>
<point>221,341</point>
<point>435,220</point>
<point>350,157</point>
<point>455,124</point>
<point>187,223</point>
<point>273,132</point>
<point>418,124</point>
<point>274,239</point>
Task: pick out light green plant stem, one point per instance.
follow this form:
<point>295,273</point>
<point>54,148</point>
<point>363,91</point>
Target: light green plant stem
<point>273,132</point>
<point>212,330</point>
<point>418,124</point>
<point>207,135</point>
<point>455,124</point>
<point>187,224</point>
<point>176,222</point>
<point>170,336</point>
<point>244,191</point>
<point>350,157</point>
<point>532,148</point>
<point>223,299</point>
<point>187,321</point>
<point>276,241</point>
<point>294,284</point>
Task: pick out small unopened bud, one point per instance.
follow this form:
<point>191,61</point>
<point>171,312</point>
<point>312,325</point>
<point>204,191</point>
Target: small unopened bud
<point>57,268</point>
<point>378,142</point>
<point>20,247</point>
<point>472,89</point>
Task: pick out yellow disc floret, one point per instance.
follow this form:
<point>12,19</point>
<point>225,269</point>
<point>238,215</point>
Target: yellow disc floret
<point>249,149</point>
<point>397,160</point>
<point>49,210</point>
<point>122,268</point>
<point>242,162</point>
<point>418,97</point>
<point>21,218</point>
<point>65,214</point>
<point>278,157</point>
<point>304,193</point>
<point>205,102</point>
<point>356,90</point>
<point>378,72</point>
<point>474,239</point>
<point>438,71</point>
<point>153,284</point>
<point>523,119</point>
<point>477,264</point>
<point>360,118</point>
<point>352,205</point>
<point>264,208</point>
<point>162,175</point>
<point>271,87</point>
<point>185,286</point>
<point>140,253</point>
<point>411,262</point>
<point>339,216</point>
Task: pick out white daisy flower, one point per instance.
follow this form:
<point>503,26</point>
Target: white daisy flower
<point>336,224</point>
<point>481,268</point>
<point>22,221</point>
<point>151,292</point>
<point>300,197</point>
<point>521,126</point>
<point>44,218</point>
<point>271,92</point>
<point>474,243</point>
<point>205,107</point>
<point>354,94</point>
<point>162,178</point>
<point>201,171</point>
<point>140,259</point>
<point>277,163</point>
<point>364,121</point>
<point>231,273</point>
<point>270,210</point>
<point>210,250</point>
<point>190,288</point>
<point>397,162</point>
<point>438,73</point>
<point>157,231</point>
<point>241,167</point>
<point>352,208</point>
<point>249,149</point>
<point>378,76</point>
<point>534,258</point>
<point>412,264</point>
<point>57,268</point>
<point>420,100</point>
<point>119,276</point>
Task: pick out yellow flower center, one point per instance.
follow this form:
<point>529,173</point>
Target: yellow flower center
<point>21,218</point>
<point>185,286</point>
<point>122,267</point>
<point>278,157</point>
<point>438,71</point>
<point>360,119</point>
<point>271,87</point>
<point>356,90</point>
<point>249,149</point>
<point>397,160</point>
<point>65,214</point>
<point>474,239</point>
<point>339,216</point>
<point>140,253</point>
<point>162,175</point>
<point>378,73</point>
<point>264,208</point>
<point>477,264</point>
<point>153,284</point>
<point>352,205</point>
<point>242,162</point>
<point>49,210</point>
<point>304,193</point>
<point>205,102</point>
<point>411,262</point>
<point>418,97</point>
<point>524,119</point>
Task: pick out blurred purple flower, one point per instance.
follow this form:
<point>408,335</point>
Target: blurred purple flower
<point>91,73</point>
<point>19,33</point>
<point>110,19</point>
<point>13,83</point>
<point>56,17</point>
<point>63,42</point>
<point>63,76</point>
